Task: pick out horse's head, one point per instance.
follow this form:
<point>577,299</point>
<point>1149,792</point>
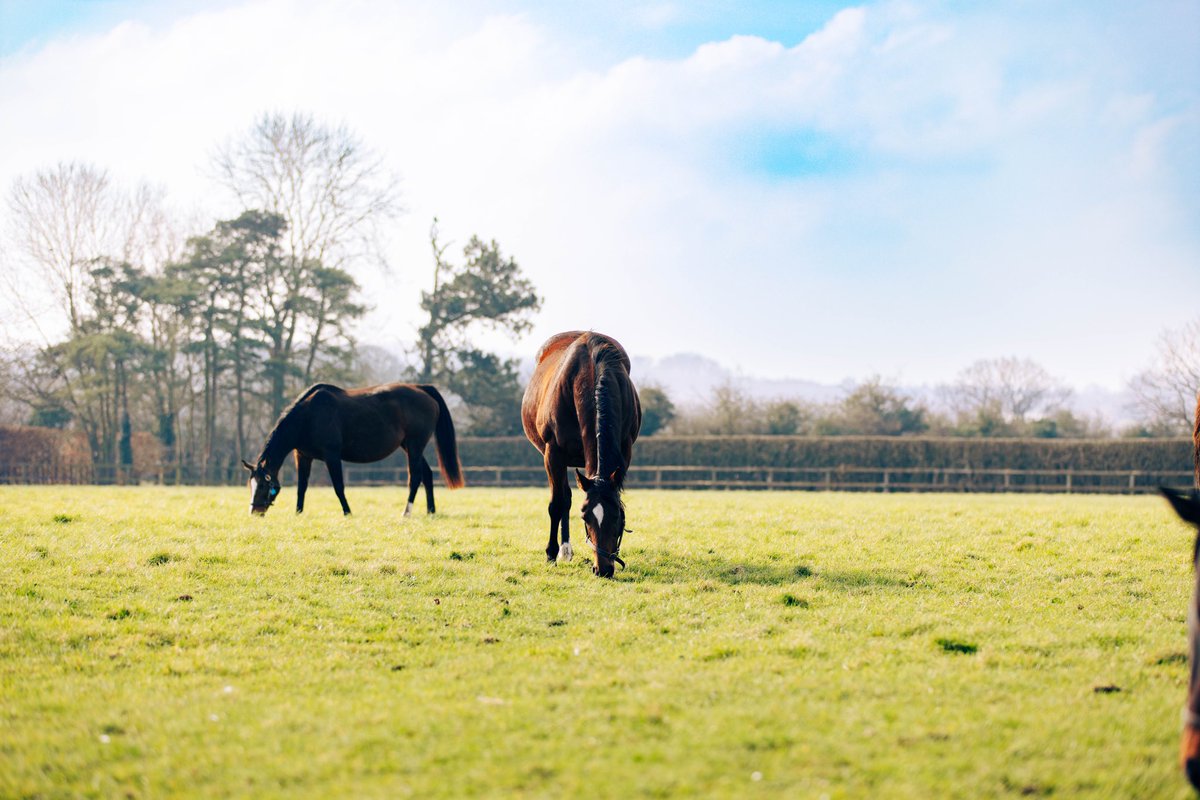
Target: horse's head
<point>604,520</point>
<point>264,487</point>
<point>1187,505</point>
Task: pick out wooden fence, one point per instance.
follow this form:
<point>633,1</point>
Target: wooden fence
<point>865,464</point>
<point>853,479</point>
<point>842,478</point>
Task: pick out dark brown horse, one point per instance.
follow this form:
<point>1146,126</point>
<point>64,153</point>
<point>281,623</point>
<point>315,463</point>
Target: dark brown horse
<point>1187,505</point>
<point>357,425</point>
<point>581,410</point>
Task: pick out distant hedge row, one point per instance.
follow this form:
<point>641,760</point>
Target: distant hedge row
<point>1149,455</point>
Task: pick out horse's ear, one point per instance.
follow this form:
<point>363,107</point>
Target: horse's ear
<point>585,483</point>
<point>247,466</point>
<point>1186,504</point>
<point>617,476</point>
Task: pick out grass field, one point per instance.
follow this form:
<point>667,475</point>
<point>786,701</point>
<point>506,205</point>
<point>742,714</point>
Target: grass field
<point>159,642</point>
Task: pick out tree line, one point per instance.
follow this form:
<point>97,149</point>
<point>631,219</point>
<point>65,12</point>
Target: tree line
<point>138,337</point>
<point>184,341</point>
<point>1003,397</point>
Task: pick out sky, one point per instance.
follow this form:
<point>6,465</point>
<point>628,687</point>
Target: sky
<point>816,190</point>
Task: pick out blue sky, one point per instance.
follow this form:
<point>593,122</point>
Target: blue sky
<point>810,190</point>
<point>606,29</point>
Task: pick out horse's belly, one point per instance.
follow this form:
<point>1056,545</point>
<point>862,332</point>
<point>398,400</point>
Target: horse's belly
<point>366,452</point>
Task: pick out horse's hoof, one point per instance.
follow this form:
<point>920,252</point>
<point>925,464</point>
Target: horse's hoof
<point>1189,755</point>
<point>565,553</point>
<point>408,510</point>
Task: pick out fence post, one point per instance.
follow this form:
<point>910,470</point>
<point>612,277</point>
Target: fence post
<point>887,480</point>
<point>1068,481</point>
<point>1132,481</point>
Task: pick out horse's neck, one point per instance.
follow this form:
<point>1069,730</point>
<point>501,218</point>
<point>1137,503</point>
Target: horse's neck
<point>280,442</point>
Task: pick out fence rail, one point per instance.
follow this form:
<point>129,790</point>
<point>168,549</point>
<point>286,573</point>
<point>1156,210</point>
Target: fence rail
<point>862,479</point>
<point>839,478</point>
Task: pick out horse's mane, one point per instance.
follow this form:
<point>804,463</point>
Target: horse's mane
<point>611,364</point>
<point>287,417</point>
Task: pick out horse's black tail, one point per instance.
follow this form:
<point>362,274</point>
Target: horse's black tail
<point>447,445</point>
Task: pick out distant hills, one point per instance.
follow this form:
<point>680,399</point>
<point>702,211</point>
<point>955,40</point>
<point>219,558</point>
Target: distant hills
<point>689,380</point>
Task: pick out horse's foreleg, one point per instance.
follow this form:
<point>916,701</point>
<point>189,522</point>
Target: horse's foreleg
<point>335,477</point>
<point>427,479</point>
<point>303,470</point>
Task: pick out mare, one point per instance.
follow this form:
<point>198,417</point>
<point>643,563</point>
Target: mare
<point>357,425</point>
<point>581,410</point>
<point>1187,505</point>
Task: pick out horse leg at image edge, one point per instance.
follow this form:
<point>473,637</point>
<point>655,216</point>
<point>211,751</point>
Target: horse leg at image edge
<point>303,470</point>
<point>334,463</point>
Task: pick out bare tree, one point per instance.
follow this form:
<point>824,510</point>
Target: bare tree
<point>1014,389</point>
<point>1165,394</point>
<point>333,192</point>
<point>330,188</point>
<point>61,222</point>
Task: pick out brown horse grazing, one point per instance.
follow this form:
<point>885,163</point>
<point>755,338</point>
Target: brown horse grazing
<point>357,425</point>
<point>581,410</point>
<point>1187,505</point>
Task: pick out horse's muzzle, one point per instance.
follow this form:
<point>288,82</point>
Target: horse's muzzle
<point>605,571</point>
<point>258,512</point>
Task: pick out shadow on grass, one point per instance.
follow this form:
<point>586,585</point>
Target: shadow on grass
<point>658,566</point>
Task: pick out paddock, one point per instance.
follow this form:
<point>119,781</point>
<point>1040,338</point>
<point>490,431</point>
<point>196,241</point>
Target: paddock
<point>157,641</point>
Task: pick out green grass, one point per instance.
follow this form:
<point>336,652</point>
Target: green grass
<point>159,642</point>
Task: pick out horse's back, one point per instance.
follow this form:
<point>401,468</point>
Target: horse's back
<point>548,409</point>
<point>556,344</point>
<point>406,406</point>
<point>371,422</point>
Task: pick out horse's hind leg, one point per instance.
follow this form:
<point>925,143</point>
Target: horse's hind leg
<point>427,479</point>
<point>414,477</point>
<point>566,552</point>
<point>560,504</point>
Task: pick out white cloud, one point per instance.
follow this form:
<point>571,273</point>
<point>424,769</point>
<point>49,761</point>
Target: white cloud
<point>974,206</point>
